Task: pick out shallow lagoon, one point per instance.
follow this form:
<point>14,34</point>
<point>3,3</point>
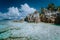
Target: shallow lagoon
<point>31,31</point>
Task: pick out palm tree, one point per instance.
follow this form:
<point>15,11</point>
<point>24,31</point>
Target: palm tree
<point>51,6</point>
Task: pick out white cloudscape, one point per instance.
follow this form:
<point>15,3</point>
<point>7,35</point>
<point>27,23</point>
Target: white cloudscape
<point>17,13</point>
<point>27,9</point>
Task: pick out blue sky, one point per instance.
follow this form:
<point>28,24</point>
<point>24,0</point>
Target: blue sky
<point>4,4</point>
<point>13,9</point>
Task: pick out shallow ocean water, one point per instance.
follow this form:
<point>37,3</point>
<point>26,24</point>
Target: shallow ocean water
<point>31,31</point>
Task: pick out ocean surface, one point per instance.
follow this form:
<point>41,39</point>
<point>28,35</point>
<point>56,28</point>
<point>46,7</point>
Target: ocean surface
<point>31,31</point>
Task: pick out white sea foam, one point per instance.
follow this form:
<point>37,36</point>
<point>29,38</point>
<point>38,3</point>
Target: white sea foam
<point>32,31</point>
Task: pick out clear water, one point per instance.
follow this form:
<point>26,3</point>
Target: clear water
<point>32,31</point>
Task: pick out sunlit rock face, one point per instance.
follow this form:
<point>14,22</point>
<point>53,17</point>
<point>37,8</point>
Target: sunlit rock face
<point>30,31</point>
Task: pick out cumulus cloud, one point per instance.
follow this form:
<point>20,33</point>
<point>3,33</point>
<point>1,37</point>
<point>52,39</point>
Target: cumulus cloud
<point>13,12</point>
<point>27,9</point>
<point>17,13</point>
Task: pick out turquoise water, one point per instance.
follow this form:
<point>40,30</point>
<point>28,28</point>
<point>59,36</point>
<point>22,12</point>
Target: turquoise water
<point>33,31</point>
